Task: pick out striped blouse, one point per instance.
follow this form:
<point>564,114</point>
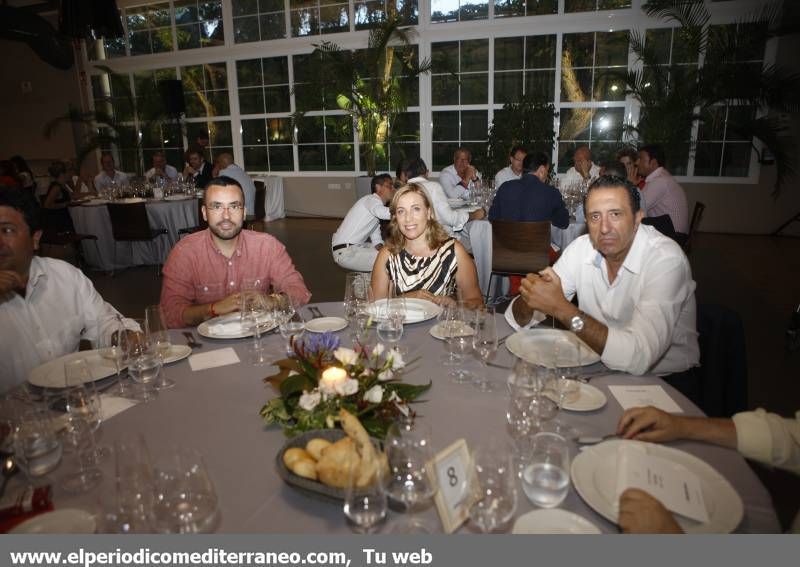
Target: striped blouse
<point>436,273</point>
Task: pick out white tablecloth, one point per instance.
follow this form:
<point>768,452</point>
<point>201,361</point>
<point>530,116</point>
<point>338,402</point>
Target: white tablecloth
<point>172,215</point>
<point>273,200</point>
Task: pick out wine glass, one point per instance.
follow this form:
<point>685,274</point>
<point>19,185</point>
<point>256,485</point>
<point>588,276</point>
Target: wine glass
<point>135,488</point>
<point>365,504</point>
<point>160,340</point>
<point>484,345</point>
<point>144,366</point>
<point>459,340</point>
<point>257,316</point>
<point>545,478</point>
<point>449,323</point>
<point>113,345</point>
<point>390,325</point>
<point>563,383</point>
<point>292,329</point>
<point>185,497</point>
<point>79,437</point>
<point>493,488</point>
<point>408,453</point>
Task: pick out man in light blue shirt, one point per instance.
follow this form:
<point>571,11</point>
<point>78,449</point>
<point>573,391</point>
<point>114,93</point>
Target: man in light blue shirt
<point>224,166</point>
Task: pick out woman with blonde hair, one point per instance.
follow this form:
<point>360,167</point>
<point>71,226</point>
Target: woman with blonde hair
<point>420,258</point>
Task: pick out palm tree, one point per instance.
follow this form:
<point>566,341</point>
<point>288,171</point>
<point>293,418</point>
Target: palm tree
<point>721,91</point>
<point>373,85</point>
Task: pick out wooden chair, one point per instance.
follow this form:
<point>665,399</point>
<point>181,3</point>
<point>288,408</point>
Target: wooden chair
<point>129,223</point>
<point>697,216</point>
<point>519,248</point>
<point>256,221</point>
<point>202,224</point>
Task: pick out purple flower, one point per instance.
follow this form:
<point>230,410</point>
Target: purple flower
<point>320,344</point>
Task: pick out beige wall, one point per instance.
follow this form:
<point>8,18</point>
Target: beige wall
<point>319,196</point>
<point>24,115</point>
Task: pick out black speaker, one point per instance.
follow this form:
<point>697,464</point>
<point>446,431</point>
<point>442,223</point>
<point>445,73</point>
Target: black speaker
<point>172,95</point>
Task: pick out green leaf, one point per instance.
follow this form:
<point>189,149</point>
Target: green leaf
<point>408,392</point>
<point>295,385</point>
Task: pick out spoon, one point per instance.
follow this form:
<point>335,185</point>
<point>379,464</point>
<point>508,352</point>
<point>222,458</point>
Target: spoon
<point>9,470</point>
<point>594,439</point>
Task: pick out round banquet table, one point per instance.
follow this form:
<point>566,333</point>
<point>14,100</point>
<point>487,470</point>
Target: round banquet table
<point>216,412</point>
<point>94,219</point>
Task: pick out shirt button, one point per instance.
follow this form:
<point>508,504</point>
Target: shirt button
<point>230,263</point>
<point>232,284</point>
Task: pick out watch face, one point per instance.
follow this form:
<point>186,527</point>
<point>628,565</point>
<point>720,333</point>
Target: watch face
<point>576,324</point>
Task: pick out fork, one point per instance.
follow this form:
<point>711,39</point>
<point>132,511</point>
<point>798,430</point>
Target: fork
<point>190,340</point>
<point>316,311</point>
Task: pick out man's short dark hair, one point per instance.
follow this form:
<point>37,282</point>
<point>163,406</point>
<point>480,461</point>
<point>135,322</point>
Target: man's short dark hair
<point>655,152</point>
<point>415,168</point>
<point>534,161</point>
<point>24,202</point>
<point>615,182</point>
<point>378,180</point>
<point>516,149</point>
<point>627,151</point>
<point>616,168</point>
<point>222,181</point>
<point>107,154</point>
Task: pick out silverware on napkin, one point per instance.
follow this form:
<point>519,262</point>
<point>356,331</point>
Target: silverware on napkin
<point>190,340</point>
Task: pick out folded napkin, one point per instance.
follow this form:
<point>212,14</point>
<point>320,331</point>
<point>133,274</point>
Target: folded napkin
<point>112,405</point>
<point>213,359</point>
<point>221,329</point>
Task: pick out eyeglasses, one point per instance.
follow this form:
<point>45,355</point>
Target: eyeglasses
<point>219,207</point>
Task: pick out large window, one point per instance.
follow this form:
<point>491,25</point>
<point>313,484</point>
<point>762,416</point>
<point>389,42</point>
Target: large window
<point>524,65</point>
<point>198,23</point>
<point>258,20</point>
<point>149,29</point>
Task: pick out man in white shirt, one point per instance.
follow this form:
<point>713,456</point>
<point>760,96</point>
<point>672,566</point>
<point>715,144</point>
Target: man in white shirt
<point>635,288</point>
<point>109,175</point>
<point>514,168</point>
<point>455,179</point>
<point>584,170</point>
<point>161,169</point>
<point>224,167</point>
<point>47,306</point>
<point>664,195</point>
<point>356,242</point>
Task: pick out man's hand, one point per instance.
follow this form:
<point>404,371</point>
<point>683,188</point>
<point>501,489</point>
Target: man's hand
<point>10,281</point>
<point>583,167</point>
<point>640,513</point>
<point>188,170</point>
<point>543,291</point>
<point>649,424</point>
<point>480,214</point>
<point>228,305</point>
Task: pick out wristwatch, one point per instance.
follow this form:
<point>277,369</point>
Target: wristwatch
<point>577,323</point>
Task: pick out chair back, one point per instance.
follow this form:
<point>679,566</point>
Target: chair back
<point>202,223</point>
<point>129,222</point>
<point>520,247</point>
<point>697,216</point>
<point>261,199</point>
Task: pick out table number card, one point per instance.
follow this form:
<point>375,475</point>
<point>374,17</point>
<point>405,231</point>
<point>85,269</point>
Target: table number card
<point>452,469</point>
<point>640,396</point>
<point>675,486</point>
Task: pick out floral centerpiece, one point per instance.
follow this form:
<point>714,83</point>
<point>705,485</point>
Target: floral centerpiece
<point>324,377</point>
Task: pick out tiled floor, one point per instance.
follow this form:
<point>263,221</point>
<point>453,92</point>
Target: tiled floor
<point>755,275</point>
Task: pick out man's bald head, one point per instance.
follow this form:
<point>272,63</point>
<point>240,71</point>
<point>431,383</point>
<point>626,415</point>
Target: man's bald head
<point>223,160</point>
<point>583,154</point>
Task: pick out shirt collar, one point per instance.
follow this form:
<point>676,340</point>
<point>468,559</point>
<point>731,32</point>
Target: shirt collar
<point>35,274</point>
<point>635,258</point>
<point>656,173</point>
<point>239,244</point>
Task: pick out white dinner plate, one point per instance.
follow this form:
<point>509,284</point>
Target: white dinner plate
<point>417,310</point>
<point>326,324</point>
<point>456,203</point>
<point>178,197</point>
<point>95,202</point>
<point>463,330</point>
<point>176,353</point>
<point>231,327</point>
<point>131,200</point>
<point>553,521</point>
<point>536,346</point>
<point>589,399</point>
<point>594,476</point>
<point>66,521</point>
<point>51,374</point>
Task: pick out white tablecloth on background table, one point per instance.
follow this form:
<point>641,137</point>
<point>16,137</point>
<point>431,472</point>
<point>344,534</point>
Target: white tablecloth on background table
<point>216,412</point>
<point>94,219</point>
<point>273,199</point>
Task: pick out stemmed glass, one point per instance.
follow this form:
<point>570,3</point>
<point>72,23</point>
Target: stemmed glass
<point>545,478</point>
<point>80,399</point>
<point>563,384</point>
<point>113,346</point>
<point>409,453</point>
<point>185,498</point>
<point>484,345</point>
<point>160,340</point>
<point>256,316</point>
<point>459,340</point>
<point>135,488</point>
<point>392,316</point>
<point>365,504</point>
<point>292,325</point>
<point>449,322</point>
<point>144,365</point>
<point>493,488</point>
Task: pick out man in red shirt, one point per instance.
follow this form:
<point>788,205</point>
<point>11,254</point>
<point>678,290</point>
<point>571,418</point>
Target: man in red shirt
<point>206,271</point>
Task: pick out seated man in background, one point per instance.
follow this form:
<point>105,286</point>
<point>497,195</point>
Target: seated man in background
<point>197,168</point>
<point>455,179</point>
<point>634,287</point>
<point>584,170</point>
<point>206,271</point>
<point>109,175</point>
<point>757,435</point>
<point>161,169</point>
<point>47,306</point>
<point>514,168</point>
<point>629,158</point>
<point>619,169</point>
<point>224,167</point>
<point>664,195</point>
<point>530,198</point>
<point>356,242</point>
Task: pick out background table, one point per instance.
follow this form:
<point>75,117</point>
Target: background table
<point>216,412</point>
<point>94,219</point>
<point>273,198</point>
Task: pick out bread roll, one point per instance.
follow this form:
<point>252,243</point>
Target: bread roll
<point>290,456</point>
<point>315,447</point>
<point>336,462</point>
<point>307,468</point>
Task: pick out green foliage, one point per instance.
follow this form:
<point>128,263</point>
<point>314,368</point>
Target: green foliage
<point>528,122</point>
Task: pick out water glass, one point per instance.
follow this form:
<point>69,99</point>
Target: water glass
<point>79,437</point>
<point>545,478</point>
<point>37,447</point>
<point>408,453</point>
<point>459,340</point>
<point>255,315</point>
<point>484,345</point>
<point>356,291</point>
<point>186,501</point>
<point>292,330</point>
<point>365,504</point>
<point>144,368</point>
<point>160,340</point>
<point>493,488</point>
<point>135,488</point>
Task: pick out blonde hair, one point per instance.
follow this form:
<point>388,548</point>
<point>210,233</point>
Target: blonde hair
<point>435,234</point>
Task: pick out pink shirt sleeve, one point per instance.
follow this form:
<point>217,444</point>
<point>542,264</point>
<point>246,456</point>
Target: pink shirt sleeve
<point>284,276</point>
<point>177,288</point>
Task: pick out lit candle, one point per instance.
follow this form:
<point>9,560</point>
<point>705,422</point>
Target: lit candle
<point>332,376</point>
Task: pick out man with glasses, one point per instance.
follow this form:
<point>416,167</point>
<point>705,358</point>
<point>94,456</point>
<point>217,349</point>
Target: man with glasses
<point>206,271</point>
<point>514,168</point>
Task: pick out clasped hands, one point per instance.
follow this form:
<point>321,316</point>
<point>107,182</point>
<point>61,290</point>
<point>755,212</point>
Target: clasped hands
<point>543,292</point>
